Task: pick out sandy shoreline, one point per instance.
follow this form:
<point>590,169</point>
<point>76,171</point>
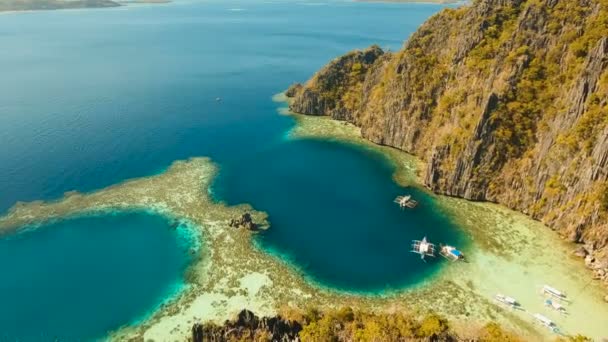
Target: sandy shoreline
<point>510,254</point>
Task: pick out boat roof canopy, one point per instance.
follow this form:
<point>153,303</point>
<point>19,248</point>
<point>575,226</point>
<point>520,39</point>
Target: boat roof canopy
<point>455,252</point>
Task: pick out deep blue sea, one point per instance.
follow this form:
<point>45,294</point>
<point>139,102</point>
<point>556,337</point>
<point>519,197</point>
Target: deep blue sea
<point>89,98</point>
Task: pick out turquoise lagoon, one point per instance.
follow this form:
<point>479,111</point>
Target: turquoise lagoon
<point>80,278</point>
<point>90,98</point>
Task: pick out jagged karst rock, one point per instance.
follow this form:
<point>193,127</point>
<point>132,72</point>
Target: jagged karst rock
<point>506,101</point>
<point>247,319</point>
<point>580,252</point>
<point>589,260</point>
<point>318,96</point>
<point>293,90</point>
<point>197,332</point>
<point>247,326</point>
<point>245,221</point>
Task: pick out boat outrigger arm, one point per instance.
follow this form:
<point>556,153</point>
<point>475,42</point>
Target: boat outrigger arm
<point>405,202</point>
<point>423,247</point>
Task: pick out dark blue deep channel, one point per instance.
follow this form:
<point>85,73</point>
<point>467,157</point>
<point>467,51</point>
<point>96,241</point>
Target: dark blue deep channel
<point>90,98</point>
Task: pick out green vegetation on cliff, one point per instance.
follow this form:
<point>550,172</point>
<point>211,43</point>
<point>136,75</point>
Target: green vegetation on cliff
<point>348,325</point>
<point>344,324</point>
<point>506,101</point>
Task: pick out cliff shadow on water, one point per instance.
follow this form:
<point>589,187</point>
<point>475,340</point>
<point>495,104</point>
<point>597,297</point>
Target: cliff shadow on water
<point>332,215</point>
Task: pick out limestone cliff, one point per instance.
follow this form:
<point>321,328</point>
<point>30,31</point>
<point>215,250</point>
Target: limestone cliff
<point>506,101</point>
<point>248,327</point>
<point>343,324</point>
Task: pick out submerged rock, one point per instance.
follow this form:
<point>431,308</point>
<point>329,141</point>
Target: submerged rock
<point>175,224</point>
<point>245,221</point>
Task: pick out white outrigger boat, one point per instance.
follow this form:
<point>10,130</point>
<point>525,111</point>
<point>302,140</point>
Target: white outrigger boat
<point>423,247</point>
<point>545,321</point>
<point>554,292</point>
<point>555,306</point>
<point>509,301</point>
<point>451,253</point>
<point>405,202</point>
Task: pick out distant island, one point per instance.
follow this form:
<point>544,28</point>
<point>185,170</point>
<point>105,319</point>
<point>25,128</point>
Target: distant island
<point>419,1</point>
<point>35,5</point>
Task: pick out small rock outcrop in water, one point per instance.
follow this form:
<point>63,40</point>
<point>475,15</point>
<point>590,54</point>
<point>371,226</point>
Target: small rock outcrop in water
<point>248,327</point>
<point>506,101</point>
<point>245,221</point>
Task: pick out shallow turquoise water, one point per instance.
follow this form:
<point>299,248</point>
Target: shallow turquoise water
<point>91,98</point>
<point>79,278</point>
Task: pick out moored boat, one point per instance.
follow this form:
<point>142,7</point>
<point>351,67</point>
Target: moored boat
<point>406,201</point>
<point>423,247</point>
<point>510,301</point>
<point>545,321</point>
<point>555,306</point>
<point>554,292</point>
<point>451,253</point>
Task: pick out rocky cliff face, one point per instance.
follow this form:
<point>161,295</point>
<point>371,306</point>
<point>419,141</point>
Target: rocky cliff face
<point>248,327</point>
<point>344,324</point>
<point>507,101</point>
